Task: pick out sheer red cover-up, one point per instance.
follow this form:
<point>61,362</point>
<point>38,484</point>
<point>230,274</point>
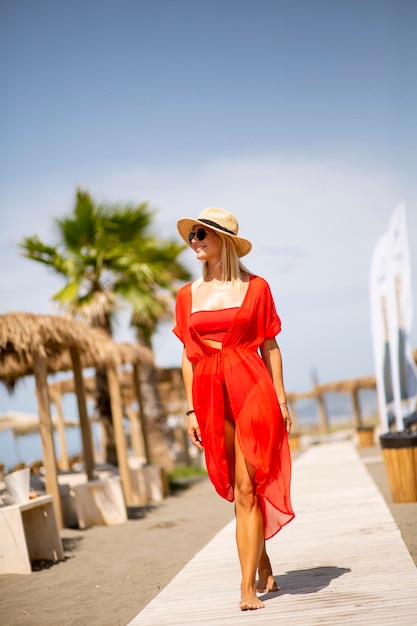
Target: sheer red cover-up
<point>253,400</point>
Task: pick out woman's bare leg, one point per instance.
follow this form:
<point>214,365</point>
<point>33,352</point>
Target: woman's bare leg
<point>249,529</point>
<point>266,581</point>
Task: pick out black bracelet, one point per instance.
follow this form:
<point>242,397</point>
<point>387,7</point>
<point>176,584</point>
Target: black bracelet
<point>189,412</point>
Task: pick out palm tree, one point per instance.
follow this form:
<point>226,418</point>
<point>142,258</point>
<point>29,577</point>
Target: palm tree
<point>109,259</point>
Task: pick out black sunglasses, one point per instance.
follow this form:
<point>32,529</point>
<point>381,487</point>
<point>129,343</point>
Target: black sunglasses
<point>200,233</point>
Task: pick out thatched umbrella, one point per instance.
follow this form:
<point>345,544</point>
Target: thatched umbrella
<point>292,399</point>
<point>55,391</point>
<point>128,395</point>
<point>171,388</point>
<point>126,387</point>
<point>40,344</point>
<point>352,388</point>
<point>349,386</point>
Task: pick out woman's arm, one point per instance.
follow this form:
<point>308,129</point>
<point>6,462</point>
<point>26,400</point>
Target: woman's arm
<point>271,355</point>
<point>187,375</point>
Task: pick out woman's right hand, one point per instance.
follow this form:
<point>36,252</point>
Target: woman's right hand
<point>194,431</point>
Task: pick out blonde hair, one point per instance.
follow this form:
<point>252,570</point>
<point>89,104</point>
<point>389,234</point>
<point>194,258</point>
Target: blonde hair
<point>232,267</point>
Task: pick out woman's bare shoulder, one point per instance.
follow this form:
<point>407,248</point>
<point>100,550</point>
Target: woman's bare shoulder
<point>195,284</point>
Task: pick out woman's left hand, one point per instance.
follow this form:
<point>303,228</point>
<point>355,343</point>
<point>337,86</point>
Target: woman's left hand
<point>286,417</point>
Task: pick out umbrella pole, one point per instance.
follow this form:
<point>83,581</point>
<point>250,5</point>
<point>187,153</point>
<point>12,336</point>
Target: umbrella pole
<point>86,435</point>
<point>16,447</point>
<point>46,430</point>
<point>121,448</point>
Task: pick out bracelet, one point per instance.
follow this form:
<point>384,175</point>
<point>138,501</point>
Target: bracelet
<point>189,412</point>
<point>284,404</point>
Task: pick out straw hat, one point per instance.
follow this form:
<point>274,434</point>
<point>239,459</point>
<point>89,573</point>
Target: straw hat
<point>220,221</point>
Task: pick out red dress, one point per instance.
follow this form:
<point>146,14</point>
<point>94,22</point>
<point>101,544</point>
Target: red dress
<point>239,369</point>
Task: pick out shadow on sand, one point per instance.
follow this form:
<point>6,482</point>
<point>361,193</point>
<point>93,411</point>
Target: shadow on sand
<point>302,581</point>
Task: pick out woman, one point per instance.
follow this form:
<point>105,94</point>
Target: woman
<point>237,407</point>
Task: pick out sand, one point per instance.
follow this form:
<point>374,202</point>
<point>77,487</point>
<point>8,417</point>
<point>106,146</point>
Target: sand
<point>111,573</point>
<point>404,514</point>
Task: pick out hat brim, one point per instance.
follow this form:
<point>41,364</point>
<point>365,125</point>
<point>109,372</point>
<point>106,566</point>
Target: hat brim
<point>185,226</point>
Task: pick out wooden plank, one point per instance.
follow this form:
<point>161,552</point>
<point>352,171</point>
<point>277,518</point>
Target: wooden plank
<point>341,561</point>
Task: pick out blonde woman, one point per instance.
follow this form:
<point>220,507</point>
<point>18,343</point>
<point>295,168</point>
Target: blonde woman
<point>237,407</point>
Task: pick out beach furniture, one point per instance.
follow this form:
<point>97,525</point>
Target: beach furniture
<point>100,503</point>
<point>28,532</point>
<point>85,503</point>
<point>148,484</point>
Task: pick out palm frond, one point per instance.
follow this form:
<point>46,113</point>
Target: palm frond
<point>33,248</point>
<point>127,224</point>
<point>68,295</point>
<point>108,255</point>
<point>81,229</point>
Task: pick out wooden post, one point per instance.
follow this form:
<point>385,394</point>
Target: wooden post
<point>177,384</point>
<point>60,427</point>
<point>119,434</point>
<point>46,432</point>
<point>323,420</point>
<point>356,408</point>
<point>185,440</point>
<point>135,435</point>
<point>138,392</point>
<point>294,416</point>
<point>85,426</point>
<point>294,436</point>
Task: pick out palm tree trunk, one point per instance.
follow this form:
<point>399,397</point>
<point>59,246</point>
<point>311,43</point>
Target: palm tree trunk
<point>103,407</point>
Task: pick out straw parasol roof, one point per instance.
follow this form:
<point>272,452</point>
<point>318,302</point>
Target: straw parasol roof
<point>347,386</point>
<point>293,396</point>
<point>134,353</point>
<point>22,334</point>
<point>339,386</point>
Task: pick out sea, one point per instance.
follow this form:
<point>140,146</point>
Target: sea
<point>27,448</point>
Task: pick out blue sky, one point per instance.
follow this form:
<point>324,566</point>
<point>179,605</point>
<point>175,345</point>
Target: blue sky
<point>298,116</point>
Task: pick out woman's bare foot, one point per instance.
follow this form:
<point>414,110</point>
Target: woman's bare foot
<point>266,584</point>
<point>249,600</point>
<point>266,581</point>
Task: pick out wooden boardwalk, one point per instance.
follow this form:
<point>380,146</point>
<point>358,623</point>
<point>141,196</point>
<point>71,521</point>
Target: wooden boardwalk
<point>340,562</point>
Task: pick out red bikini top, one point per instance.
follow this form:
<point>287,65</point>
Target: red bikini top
<point>213,325</point>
